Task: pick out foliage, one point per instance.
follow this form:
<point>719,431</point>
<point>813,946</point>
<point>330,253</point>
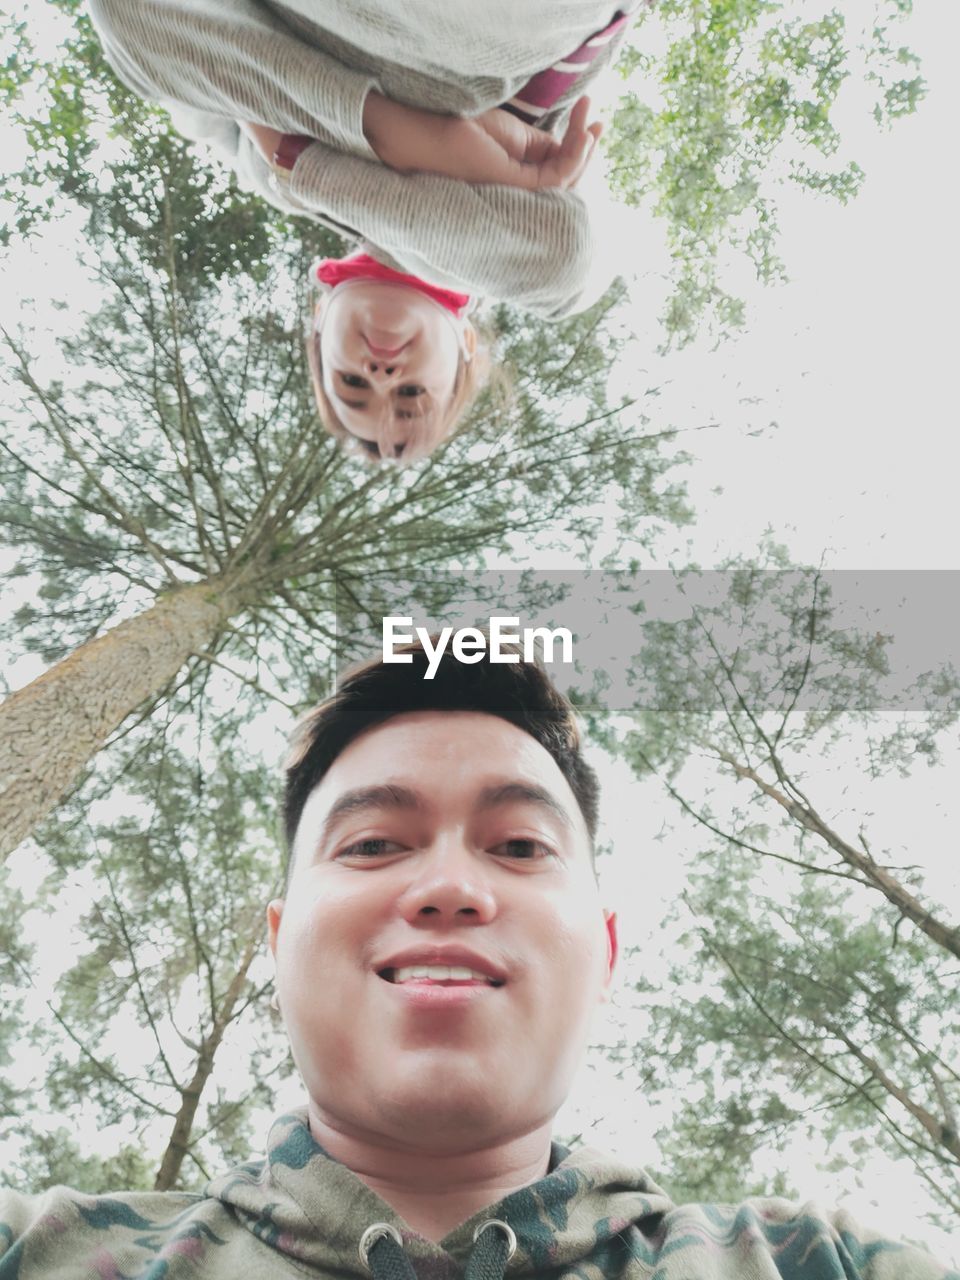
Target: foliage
<point>168,968</point>
<point>183,446</point>
<point>729,99</point>
<point>180,443</point>
<point>803,1018</point>
<point>814,993</point>
<point>54,1159</point>
<point>15,957</point>
<point>180,440</point>
<point>93,145</point>
<point>177,443</point>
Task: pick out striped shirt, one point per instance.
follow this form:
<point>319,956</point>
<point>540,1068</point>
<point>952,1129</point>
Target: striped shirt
<point>549,86</point>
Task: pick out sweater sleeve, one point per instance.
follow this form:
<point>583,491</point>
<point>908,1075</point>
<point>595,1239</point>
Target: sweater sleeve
<point>531,248</point>
<point>232,60</point>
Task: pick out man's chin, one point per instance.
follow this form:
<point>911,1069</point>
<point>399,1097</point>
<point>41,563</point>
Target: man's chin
<point>441,1108</point>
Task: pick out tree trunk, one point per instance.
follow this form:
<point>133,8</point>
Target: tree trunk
<point>51,728</point>
<point>179,1143</point>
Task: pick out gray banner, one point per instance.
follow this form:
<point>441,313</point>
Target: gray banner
<point>864,641</point>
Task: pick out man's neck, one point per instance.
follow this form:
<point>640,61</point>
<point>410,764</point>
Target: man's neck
<point>434,1193</point>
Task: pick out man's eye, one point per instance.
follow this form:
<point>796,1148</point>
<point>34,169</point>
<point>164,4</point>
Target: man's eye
<point>354,380</point>
<point>370,849</point>
<point>411,389</point>
<point>523,850</point>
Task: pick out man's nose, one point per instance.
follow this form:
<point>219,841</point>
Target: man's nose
<point>453,884</point>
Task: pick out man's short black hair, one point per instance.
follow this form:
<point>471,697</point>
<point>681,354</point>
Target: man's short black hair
<point>521,693</point>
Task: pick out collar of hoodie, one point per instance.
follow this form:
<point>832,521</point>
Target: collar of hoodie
<point>303,1203</point>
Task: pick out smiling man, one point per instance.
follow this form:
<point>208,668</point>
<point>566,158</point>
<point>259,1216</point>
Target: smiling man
<point>441,949</point>
<point>442,891</point>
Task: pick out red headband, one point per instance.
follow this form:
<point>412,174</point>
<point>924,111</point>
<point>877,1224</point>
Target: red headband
<point>360,266</point>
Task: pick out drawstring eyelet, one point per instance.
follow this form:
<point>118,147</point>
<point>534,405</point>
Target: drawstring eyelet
<point>507,1230</point>
<point>372,1235</point>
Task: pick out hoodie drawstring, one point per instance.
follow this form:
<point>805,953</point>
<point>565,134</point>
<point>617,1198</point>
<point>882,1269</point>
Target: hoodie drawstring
<point>492,1251</point>
<point>381,1252</point>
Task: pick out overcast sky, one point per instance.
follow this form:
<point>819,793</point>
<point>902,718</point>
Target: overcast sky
<point>855,359</point>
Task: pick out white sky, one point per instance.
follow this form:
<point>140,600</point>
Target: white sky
<point>855,360</point>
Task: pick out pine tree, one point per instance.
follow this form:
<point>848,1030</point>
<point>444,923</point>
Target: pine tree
<point>813,988</point>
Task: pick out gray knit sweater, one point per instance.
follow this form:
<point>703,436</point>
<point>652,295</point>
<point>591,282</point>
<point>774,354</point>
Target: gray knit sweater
<point>304,67</point>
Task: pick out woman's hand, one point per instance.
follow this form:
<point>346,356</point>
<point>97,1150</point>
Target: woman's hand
<point>265,139</point>
<point>493,147</point>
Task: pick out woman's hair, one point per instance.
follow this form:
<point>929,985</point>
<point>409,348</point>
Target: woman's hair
<point>424,433</point>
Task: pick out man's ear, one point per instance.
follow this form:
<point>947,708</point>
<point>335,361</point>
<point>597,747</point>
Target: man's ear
<point>274,915</point>
<point>613,950</point>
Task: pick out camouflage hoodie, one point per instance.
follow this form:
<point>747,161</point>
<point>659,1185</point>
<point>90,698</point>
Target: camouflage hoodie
<point>300,1213</point>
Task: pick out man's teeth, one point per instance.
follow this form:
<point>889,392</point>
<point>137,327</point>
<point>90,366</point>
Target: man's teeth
<point>439,973</point>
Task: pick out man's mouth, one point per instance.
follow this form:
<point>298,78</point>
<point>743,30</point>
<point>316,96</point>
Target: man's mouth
<point>445,975</point>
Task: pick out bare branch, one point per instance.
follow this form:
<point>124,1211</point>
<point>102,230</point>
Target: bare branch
<point>945,936</point>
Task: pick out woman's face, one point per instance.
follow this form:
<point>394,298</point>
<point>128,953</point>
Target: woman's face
<point>390,357</point>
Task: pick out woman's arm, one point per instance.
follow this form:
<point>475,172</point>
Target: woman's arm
<point>237,63</point>
<point>531,248</point>
<point>234,62</point>
<point>493,147</point>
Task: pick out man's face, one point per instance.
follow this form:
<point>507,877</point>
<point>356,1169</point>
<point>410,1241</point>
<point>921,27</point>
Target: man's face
<point>453,838</point>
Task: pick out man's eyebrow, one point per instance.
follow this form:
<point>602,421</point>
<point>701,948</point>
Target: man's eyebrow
<point>523,793</point>
<point>362,799</point>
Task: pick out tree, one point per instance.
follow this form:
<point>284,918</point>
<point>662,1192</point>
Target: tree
<point>75,115</point>
<point>185,480</point>
<point>816,991</point>
<point>178,502</point>
<point>810,1021</point>
<point>175,877</point>
<point>14,956</point>
<point>729,100</point>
